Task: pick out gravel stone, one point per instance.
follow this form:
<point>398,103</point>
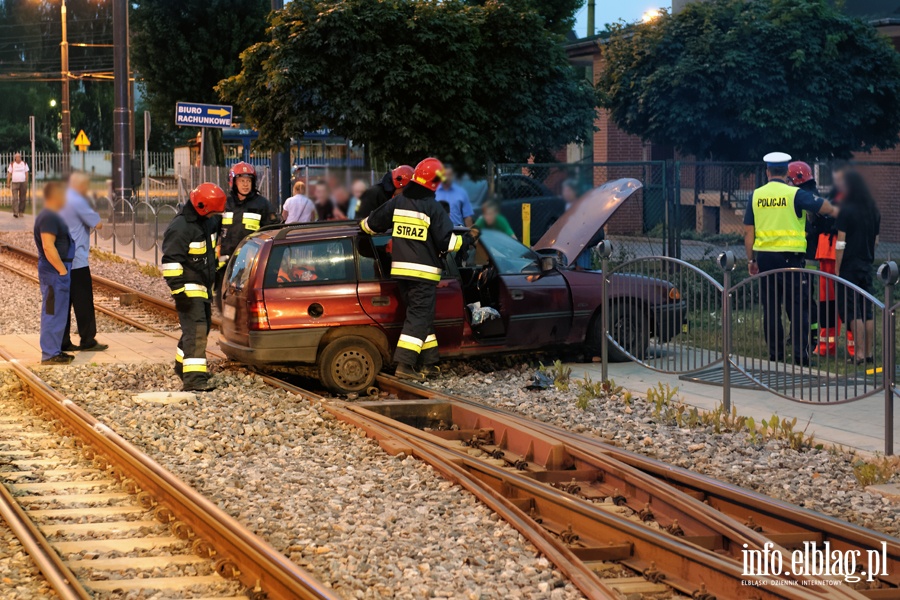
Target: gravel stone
<point>818,479</point>
<point>371,525</point>
<point>19,577</point>
<point>21,313</point>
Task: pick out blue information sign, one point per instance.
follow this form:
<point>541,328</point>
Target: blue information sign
<point>191,114</point>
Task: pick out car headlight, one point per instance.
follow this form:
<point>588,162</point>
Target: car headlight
<point>674,294</point>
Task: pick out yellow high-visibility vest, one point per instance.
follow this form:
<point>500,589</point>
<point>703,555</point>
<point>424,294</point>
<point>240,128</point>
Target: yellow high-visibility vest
<point>776,224</point>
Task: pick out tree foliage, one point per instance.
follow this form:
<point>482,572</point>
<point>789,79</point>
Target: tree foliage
<point>732,80</point>
<point>182,48</point>
<point>466,81</point>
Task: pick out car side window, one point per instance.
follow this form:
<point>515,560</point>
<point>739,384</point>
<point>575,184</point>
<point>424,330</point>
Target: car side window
<point>374,258</point>
<point>310,263</point>
<point>243,264</point>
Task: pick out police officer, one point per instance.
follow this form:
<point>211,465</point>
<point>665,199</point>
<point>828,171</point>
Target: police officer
<point>246,211</point>
<point>383,191</point>
<point>189,267</point>
<point>422,235</point>
<point>775,238</point>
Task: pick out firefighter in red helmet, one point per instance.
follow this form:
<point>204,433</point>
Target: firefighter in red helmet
<point>189,268</point>
<point>820,246</point>
<point>422,234</point>
<point>245,212</point>
<point>392,182</point>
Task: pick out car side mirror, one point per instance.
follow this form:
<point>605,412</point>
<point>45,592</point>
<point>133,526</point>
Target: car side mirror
<point>548,264</point>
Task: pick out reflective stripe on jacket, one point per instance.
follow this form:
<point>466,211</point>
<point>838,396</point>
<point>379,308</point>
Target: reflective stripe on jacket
<point>422,234</point>
<point>240,219</point>
<point>189,255</point>
<point>776,224</point>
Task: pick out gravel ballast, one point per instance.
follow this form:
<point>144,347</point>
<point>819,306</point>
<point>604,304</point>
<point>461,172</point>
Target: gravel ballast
<point>820,480</point>
<point>371,525</point>
<point>20,308</point>
<point>126,272</point>
<point>19,576</point>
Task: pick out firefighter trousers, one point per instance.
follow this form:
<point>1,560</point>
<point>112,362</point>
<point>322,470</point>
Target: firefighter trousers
<point>190,356</point>
<point>417,344</point>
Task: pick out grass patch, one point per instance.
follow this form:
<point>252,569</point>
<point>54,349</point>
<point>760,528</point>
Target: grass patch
<point>876,472</point>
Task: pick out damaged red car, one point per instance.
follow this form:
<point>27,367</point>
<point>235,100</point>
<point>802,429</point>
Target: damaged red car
<point>320,295</point>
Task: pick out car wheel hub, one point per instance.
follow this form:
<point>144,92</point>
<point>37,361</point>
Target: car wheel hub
<point>353,367</point>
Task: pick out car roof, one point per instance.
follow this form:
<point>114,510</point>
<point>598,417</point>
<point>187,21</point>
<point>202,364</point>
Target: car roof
<point>309,231</point>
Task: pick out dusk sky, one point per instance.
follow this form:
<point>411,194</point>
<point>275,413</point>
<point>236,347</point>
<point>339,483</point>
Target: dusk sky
<point>611,11</point>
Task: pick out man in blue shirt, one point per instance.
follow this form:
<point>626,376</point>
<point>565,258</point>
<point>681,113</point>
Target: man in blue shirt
<point>81,218</point>
<point>455,199</point>
<point>55,252</point>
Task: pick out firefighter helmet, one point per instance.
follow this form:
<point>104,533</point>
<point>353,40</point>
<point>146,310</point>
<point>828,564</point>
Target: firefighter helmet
<point>208,198</point>
<point>429,173</point>
<point>401,176</point>
<point>241,168</point>
<point>799,173</point>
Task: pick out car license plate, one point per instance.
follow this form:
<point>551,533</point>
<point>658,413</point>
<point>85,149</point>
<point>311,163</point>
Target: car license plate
<point>227,312</point>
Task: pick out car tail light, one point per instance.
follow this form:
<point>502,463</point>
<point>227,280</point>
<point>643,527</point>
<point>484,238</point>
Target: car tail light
<point>674,294</point>
<point>257,315</point>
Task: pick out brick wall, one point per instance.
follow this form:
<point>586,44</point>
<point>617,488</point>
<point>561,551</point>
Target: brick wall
<point>884,182</point>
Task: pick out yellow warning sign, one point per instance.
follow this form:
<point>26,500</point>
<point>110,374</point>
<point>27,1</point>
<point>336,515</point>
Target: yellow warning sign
<point>82,141</point>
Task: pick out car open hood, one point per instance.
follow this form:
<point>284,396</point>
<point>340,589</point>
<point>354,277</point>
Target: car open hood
<point>572,232</point>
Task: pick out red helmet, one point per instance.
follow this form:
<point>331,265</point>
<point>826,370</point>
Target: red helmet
<point>241,168</point>
<point>208,198</point>
<point>429,173</point>
<point>799,173</point>
<point>401,176</point>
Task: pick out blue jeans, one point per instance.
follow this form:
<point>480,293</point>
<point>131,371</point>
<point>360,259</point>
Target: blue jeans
<point>54,308</point>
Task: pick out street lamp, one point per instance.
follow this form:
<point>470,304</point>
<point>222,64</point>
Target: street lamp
<point>53,103</point>
<point>66,115</point>
<point>651,15</point>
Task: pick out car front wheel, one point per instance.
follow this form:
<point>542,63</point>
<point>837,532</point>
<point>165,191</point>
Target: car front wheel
<point>629,326</point>
<point>349,365</point>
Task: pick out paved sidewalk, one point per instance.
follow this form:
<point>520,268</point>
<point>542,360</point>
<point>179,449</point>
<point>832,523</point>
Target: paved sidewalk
<point>857,424</point>
<point>135,347</point>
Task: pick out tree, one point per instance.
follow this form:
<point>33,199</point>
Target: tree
<point>467,82</point>
<point>732,80</point>
<point>182,49</point>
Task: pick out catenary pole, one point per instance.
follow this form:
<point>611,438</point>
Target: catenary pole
<point>121,112</point>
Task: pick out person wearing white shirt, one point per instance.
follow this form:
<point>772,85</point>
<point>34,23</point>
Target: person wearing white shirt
<point>298,208</point>
<point>17,181</point>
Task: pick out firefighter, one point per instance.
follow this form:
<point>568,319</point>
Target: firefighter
<point>189,267</point>
<point>821,238</point>
<point>775,230</point>
<point>246,211</point>
<point>422,235</point>
<point>383,191</point>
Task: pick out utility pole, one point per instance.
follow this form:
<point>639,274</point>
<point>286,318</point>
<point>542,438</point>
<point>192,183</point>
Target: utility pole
<point>122,110</point>
<point>591,5</point>
<point>66,114</point>
<point>280,161</point>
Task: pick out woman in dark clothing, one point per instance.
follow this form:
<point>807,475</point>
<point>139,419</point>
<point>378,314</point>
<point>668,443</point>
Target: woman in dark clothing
<point>858,226</point>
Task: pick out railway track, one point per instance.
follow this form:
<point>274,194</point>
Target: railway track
<point>616,523</point>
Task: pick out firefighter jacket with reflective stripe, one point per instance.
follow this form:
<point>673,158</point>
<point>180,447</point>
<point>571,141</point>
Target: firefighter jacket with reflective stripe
<point>240,219</point>
<point>189,253</point>
<point>778,227</point>
<point>422,234</point>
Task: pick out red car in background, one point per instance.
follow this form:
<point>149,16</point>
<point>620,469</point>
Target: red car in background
<point>321,295</point>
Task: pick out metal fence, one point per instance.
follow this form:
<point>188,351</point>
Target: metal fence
<point>804,335</point>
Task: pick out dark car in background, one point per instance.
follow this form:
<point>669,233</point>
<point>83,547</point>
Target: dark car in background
<point>321,294</point>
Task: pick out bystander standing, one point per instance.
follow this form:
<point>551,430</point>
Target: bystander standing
<point>17,181</point>
<point>858,226</point>
<point>325,208</point>
<point>492,219</point>
<point>81,218</point>
<point>56,249</point>
<point>455,199</point>
<point>358,188</point>
<point>298,208</point>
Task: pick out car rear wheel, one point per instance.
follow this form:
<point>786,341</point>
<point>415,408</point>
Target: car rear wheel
<point>349,364</point>
<point>628,326</point>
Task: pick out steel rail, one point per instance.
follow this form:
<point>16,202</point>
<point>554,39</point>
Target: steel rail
<point>731,501</point>
<point>48,562</point>
<point>254,561</point>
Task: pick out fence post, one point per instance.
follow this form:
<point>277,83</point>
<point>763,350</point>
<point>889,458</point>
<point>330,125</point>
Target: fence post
<point>605,250</point>
<point>889,274</point>
<point>114,234</point>
<point>726,262</point>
